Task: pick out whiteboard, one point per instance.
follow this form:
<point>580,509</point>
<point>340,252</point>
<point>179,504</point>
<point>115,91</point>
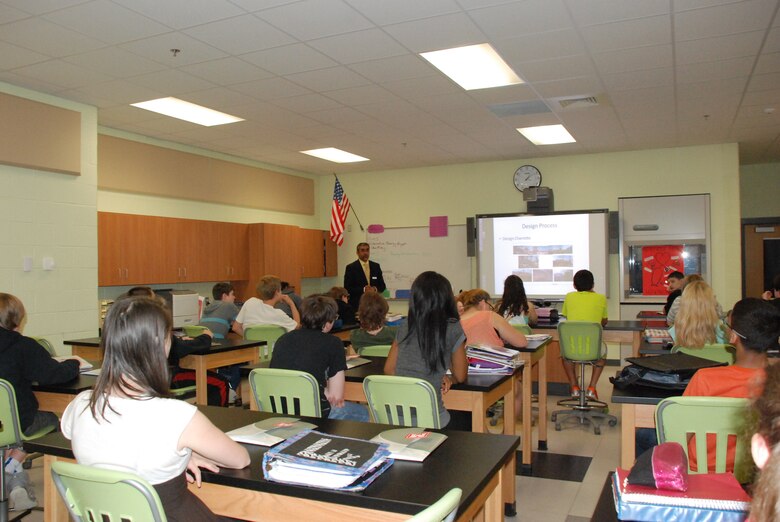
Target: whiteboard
<point>404,253</point>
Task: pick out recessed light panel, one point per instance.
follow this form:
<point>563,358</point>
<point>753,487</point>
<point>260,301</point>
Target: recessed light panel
<point>473,67</point>
<point>176,108</point>
<point>547,135</point>
<point>335,155</point>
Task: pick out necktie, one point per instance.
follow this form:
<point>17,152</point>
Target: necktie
<point>367,271</point>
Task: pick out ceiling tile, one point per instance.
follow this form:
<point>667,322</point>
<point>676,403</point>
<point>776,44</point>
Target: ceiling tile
<point>240,35</point>
<point>115,62</point>
<point>725,19</point>
<point>362,95</point>
<point>661,77</point>
<point>698,72</point>
<point>595,12</point>
<point>637,58</point>
<point>172,81</point>
<point>42,36</point>
<point>12,56</point>
<point>324,80</point>
<point>159,48</point>
<point>360,46</point>
<point>382,12</point>
<point>39,7</point>
<point>226,71</point>
<point>395,68</point>
<point>516,18</point>
<point>289,59</point>
<point>654,30</point>
<point>270,89</point>
<point>11,14</point>
<point>441,32</point>
<point>63,74</point>
<point>539,46</point>
<point>106,21</point>
<point>718,48</point>
<point>310,19</point>
<point>180,14</point>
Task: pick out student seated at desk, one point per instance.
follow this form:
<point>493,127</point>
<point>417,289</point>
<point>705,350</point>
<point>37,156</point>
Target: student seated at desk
<point>313,350</point>
<point>431,340</point>
<point>261,311</point>
<point>217,390</point>
<point>754,329</point>
<point>22,361</point>
<point>373,331</point>
<point>514,305</point>
<point>697,322</point>
<point>484,326</point>
<point>218,317</point>
<point>346,312</point>
<point>588,306</point>
<point>674,283</point>
<point>129,423</point>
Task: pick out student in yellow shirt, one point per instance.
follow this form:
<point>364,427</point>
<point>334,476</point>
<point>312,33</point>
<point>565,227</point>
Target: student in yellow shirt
<point>584,305</point>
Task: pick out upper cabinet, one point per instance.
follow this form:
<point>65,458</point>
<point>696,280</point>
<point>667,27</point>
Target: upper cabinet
<point>134,250</point>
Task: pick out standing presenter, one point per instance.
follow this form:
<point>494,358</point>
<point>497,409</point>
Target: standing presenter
<point>363,276</point>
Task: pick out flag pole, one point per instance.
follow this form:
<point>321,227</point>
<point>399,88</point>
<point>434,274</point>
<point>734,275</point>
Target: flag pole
<point>353,206</point>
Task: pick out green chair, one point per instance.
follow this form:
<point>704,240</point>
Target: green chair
<point>581,344</point>
<point>677,418</point>
<point>286,391</point>
<point>11,436</point>
<point>194,330</point>
<point>402,401</point>
<point>264,332</point>
<point>46,344</point>
<point>379,350</point>
<point>444,510</point>
<point>723,353</point>
<point>523,329</point>
<point>101,495</point>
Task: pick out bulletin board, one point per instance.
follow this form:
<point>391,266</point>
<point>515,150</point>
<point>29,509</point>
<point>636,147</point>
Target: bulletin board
<point>404,253</point>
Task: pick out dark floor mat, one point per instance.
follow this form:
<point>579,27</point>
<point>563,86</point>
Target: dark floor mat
<point>556,466</point>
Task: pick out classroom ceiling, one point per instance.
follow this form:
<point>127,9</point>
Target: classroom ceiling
<point>619,74</point>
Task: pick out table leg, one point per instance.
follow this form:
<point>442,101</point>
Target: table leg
<point>478,413</point>
<point>201,382</point>
<point>627,436</point>
<point>54,509</point>
<point>508,477</point>
<point>636,340</point>
<point>527,435</point>
<point>542,425</point>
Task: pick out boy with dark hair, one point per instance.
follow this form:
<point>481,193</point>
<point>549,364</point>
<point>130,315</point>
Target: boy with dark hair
<point>220,314</point>
<point>588,306</point>
<point>288,291</point>
<point>674,282</point>
<point>313,350</point>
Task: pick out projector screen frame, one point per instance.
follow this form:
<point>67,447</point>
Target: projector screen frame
<point>600,272</point>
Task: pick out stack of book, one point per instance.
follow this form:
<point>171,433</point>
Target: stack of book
<point>657,335</point>
<point>492,359</point>
<point>710,496</point>
<point>326,461</point>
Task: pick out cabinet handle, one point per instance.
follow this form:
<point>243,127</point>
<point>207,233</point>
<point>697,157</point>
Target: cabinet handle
<point>185,272</point>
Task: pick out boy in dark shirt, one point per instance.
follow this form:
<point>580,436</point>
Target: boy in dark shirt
<point>22,362</point>
<point>313,350</point>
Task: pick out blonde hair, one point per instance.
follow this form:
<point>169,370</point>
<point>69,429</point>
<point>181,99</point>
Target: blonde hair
<point>268,286</point>
<point>472,298</point>
<point>11,311</point>
<point>698,317</point>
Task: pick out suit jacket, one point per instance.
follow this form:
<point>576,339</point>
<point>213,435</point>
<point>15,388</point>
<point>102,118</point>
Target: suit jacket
<point>355,280</point>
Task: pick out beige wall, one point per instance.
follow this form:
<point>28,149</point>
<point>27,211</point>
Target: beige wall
<point>409,197</point>
<point>45,214</point>
<point>760,190</point>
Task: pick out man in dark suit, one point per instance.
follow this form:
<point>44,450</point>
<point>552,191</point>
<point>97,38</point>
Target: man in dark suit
<point>362,276</point>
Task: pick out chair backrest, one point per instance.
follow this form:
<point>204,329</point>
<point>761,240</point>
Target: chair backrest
<point>193,330</point>
<point>724,353</point>
<point>286,391</point>
<point>723,418</point>
<point>378,350</point>
<point>580,341</point>
<point>523,329</point>
<point>204,321</point>
<point>264,332</point>
<point>106,495</point>
<point>444,510</point>
<point>46,344</point>
<point>402,401</point>
<point>11,434</point>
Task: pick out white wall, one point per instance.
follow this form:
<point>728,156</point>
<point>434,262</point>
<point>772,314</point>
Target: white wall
<point>43,214</point>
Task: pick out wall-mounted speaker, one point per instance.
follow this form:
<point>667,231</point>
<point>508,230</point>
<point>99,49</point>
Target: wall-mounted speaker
<point>471,236</point>
<point>614,232</point>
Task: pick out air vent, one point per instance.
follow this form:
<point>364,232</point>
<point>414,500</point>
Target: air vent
<point>505,110</point>
<point>577,102</point>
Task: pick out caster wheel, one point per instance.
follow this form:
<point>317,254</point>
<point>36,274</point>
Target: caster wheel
<point>557,427</point>
<point>493,421</point>
<point>553,417</point>
<point>613,422</point>
<point>27,464</point>
<point>597,431</point>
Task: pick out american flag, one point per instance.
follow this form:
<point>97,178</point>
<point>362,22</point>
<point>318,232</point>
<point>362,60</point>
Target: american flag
<point>338,213</point>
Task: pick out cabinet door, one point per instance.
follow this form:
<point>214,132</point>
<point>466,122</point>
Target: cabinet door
<point>282,252</point>
<point>237,251</point>
<point>110,267</point>
<point>312,253</point>
<point>331,255</point>
<point>141,244</point>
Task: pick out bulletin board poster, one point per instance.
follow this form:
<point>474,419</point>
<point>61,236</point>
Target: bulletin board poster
<point>658,262</point>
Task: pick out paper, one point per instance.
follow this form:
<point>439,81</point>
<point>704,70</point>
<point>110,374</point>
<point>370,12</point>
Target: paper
<point>269,431</point>
<point>84,364</point>
<point>437,226</point>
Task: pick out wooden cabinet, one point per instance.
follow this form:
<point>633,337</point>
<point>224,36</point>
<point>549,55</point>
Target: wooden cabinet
<point>129,249</point>
<point>134,250</point>
<point>312,252</point>
<point>331,255</point>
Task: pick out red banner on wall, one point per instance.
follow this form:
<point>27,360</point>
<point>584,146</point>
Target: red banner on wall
<point>657,263</point>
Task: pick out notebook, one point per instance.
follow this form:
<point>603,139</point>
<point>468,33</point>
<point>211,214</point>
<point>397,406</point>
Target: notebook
<point>357,361</point>
<point>84,365</point>
<point>680,363</point>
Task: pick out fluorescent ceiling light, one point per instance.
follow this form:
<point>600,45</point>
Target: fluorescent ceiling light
<point>176,108</point>
<point>335,155</point>
<point>473,67</point>
<point>547,134</point>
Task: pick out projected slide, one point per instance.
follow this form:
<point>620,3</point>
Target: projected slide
<point>545,251</point>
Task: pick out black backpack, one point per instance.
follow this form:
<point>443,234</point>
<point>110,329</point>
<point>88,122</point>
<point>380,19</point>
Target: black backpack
<point>667,372</point>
